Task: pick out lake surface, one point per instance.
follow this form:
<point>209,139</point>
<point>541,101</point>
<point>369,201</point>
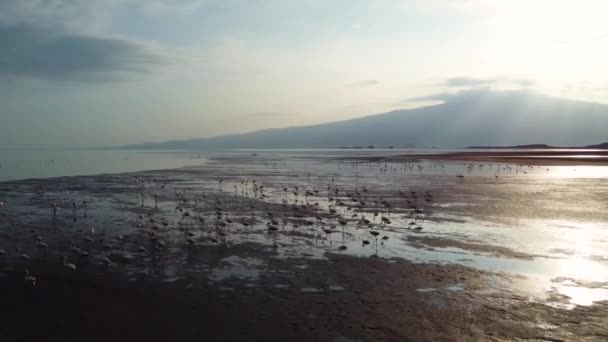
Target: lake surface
<point>25,164</point>
<point>17,164</point>
<point>277,223</point>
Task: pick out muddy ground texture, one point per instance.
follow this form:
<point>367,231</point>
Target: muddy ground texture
<point>158,271</point>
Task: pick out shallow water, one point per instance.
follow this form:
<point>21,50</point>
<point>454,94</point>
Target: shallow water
<point>547,226</point>
<point>25,164</point>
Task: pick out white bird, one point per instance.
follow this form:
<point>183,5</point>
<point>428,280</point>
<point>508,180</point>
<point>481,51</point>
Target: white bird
<point>105,260</point>
<point>68,265</point>
<point>28,279</point>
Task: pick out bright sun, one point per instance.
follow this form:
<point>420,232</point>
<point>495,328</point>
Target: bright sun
<point>553,39</point>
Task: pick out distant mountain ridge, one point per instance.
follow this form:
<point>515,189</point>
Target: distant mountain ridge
<point>598,146</point>
<point>472,118</point>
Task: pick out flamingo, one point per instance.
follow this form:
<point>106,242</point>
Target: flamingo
<point>105,260</point>
<point>68,265</point>
<point>23,255</point>
<point>28,279</point>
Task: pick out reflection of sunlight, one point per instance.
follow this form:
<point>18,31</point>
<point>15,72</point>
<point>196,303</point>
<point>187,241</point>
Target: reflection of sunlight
<point>578,171</point>
<point>583,295</point>
<point>581,241</point>
<point>570,239</point>
<point>573,270</point>
<point>584,269</point>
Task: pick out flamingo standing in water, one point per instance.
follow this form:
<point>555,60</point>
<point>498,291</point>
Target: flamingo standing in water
<point>74,210</point>
<point>28,279</point>
<point>68,265</point>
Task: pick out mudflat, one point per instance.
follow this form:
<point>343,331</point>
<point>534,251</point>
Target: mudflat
<point>271,249</point>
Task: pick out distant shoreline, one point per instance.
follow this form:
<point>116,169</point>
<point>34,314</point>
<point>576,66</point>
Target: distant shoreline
<point>554,158</point>
<point>542,146</point>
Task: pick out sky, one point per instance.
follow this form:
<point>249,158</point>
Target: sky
<point>79,73</point>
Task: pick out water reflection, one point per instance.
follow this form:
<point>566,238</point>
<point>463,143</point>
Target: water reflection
<point>499,224</point>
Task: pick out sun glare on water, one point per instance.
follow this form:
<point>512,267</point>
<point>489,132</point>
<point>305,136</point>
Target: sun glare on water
<point>578,171</point>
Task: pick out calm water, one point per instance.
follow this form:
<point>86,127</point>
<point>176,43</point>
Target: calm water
<point>39,163</point>
<point>25,164</point>
<point>16,164</point>
<point>556,215</point>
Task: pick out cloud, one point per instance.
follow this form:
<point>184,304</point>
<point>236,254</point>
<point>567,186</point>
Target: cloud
<point>467,82</point>
<point>523,82</point>
<point>562,42</point>
<point>447,96</point>
<point>83,15</point>
<point>602,36</point>
<point>264,115</point>
<point>366,83</point>
<point>33,52</point>
<point>580,40</point>
<point>65,39</point>
<point>468,95</point>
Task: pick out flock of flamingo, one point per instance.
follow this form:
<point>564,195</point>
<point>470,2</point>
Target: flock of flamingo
<point>202,217</point>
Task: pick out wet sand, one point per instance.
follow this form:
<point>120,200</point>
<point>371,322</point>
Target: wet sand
<point>182,272</point>
<point>377,301</point>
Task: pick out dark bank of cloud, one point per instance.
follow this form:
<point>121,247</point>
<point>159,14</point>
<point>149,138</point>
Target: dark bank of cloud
<point>60,40</point>
<point>34,52</point>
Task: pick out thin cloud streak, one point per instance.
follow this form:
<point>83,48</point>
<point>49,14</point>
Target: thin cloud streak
<point>457,82</point>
